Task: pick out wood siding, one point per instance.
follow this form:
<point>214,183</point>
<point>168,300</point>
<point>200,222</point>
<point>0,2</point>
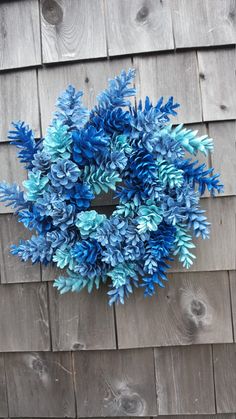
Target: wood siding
<point>73,356</point>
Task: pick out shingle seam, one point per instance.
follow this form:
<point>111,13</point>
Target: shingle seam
<point>106,30</point>
<point>231,306</point>
<point>6,389</point>
<point>74,382</point>
<point>213,372</point>
<point>49,314</point>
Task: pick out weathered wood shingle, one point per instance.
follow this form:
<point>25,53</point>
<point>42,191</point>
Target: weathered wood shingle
<point>12,269</point>
<point>171,75</point>
<point>18,100</point>
<point>115,383</point>
<point>201,23</point>
<point>11,170</point>
<point>89,77</point>
<point>3,389</point>
<point>135,26</point>
<point>232,276</point>
<point>72,30</point>
<point>217,78</point>
<point>218,252</point>
<point>19,34</point>
<point>81,322</point>
<point>193,308</point>
<point>167,43</point>
<point>40,384</point>
<point>223,158</point>
<point>184,380</point>
<point>224,357</point>
<point>24,319</point>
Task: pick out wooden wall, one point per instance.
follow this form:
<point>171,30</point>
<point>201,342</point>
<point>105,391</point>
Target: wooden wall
<point>72,355</point>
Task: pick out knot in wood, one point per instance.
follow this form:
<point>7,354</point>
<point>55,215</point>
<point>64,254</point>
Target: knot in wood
<point>198,308</point>
<point>223,107</point>
<point>142,14</point>
<point>3,30</point>
<point>52,12</point>
<point>131,404</point>
<point>79,346</point>
<point>232,14</point>
<point>39,366</point>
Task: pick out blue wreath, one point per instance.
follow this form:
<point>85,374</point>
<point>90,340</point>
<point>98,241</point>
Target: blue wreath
<point>132,151</point>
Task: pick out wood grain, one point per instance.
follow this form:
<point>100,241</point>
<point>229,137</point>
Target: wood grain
<point>171,74</point>
<point>224,155</point>
<point>81,321</point>
<point>115,383</point>
<point>12,269</point>
<point>184,380</point>
<point>215,416</point>
<point>218,252</point>
<point>3,392</point>
<point>232,276</point>
<point>224,358</point>
<point>217,77</point>
<point>203,22</point>
<point>18,100</point>
<point>11,170</point>
<point>24,324</point>
<point>135,26</point>
<point>72,30</point>
<point>40,384</point>
<point>89,77</point>
<point>51,272</point>
<point>193,308</point>
<point>19,34</point>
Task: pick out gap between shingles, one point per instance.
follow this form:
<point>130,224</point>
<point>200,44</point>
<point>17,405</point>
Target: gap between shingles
<point>39,104</point>
<point>40,32</point>
<point>6,386</point>
<point>172,26</point>
<point>74,383</point>
<point>115,326</point>
<point>231,305</point>
<point>199,85</point>
<point>213,373</point>
<point>155,376</point>
<point>49,317</point>
<point>104,10</point>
